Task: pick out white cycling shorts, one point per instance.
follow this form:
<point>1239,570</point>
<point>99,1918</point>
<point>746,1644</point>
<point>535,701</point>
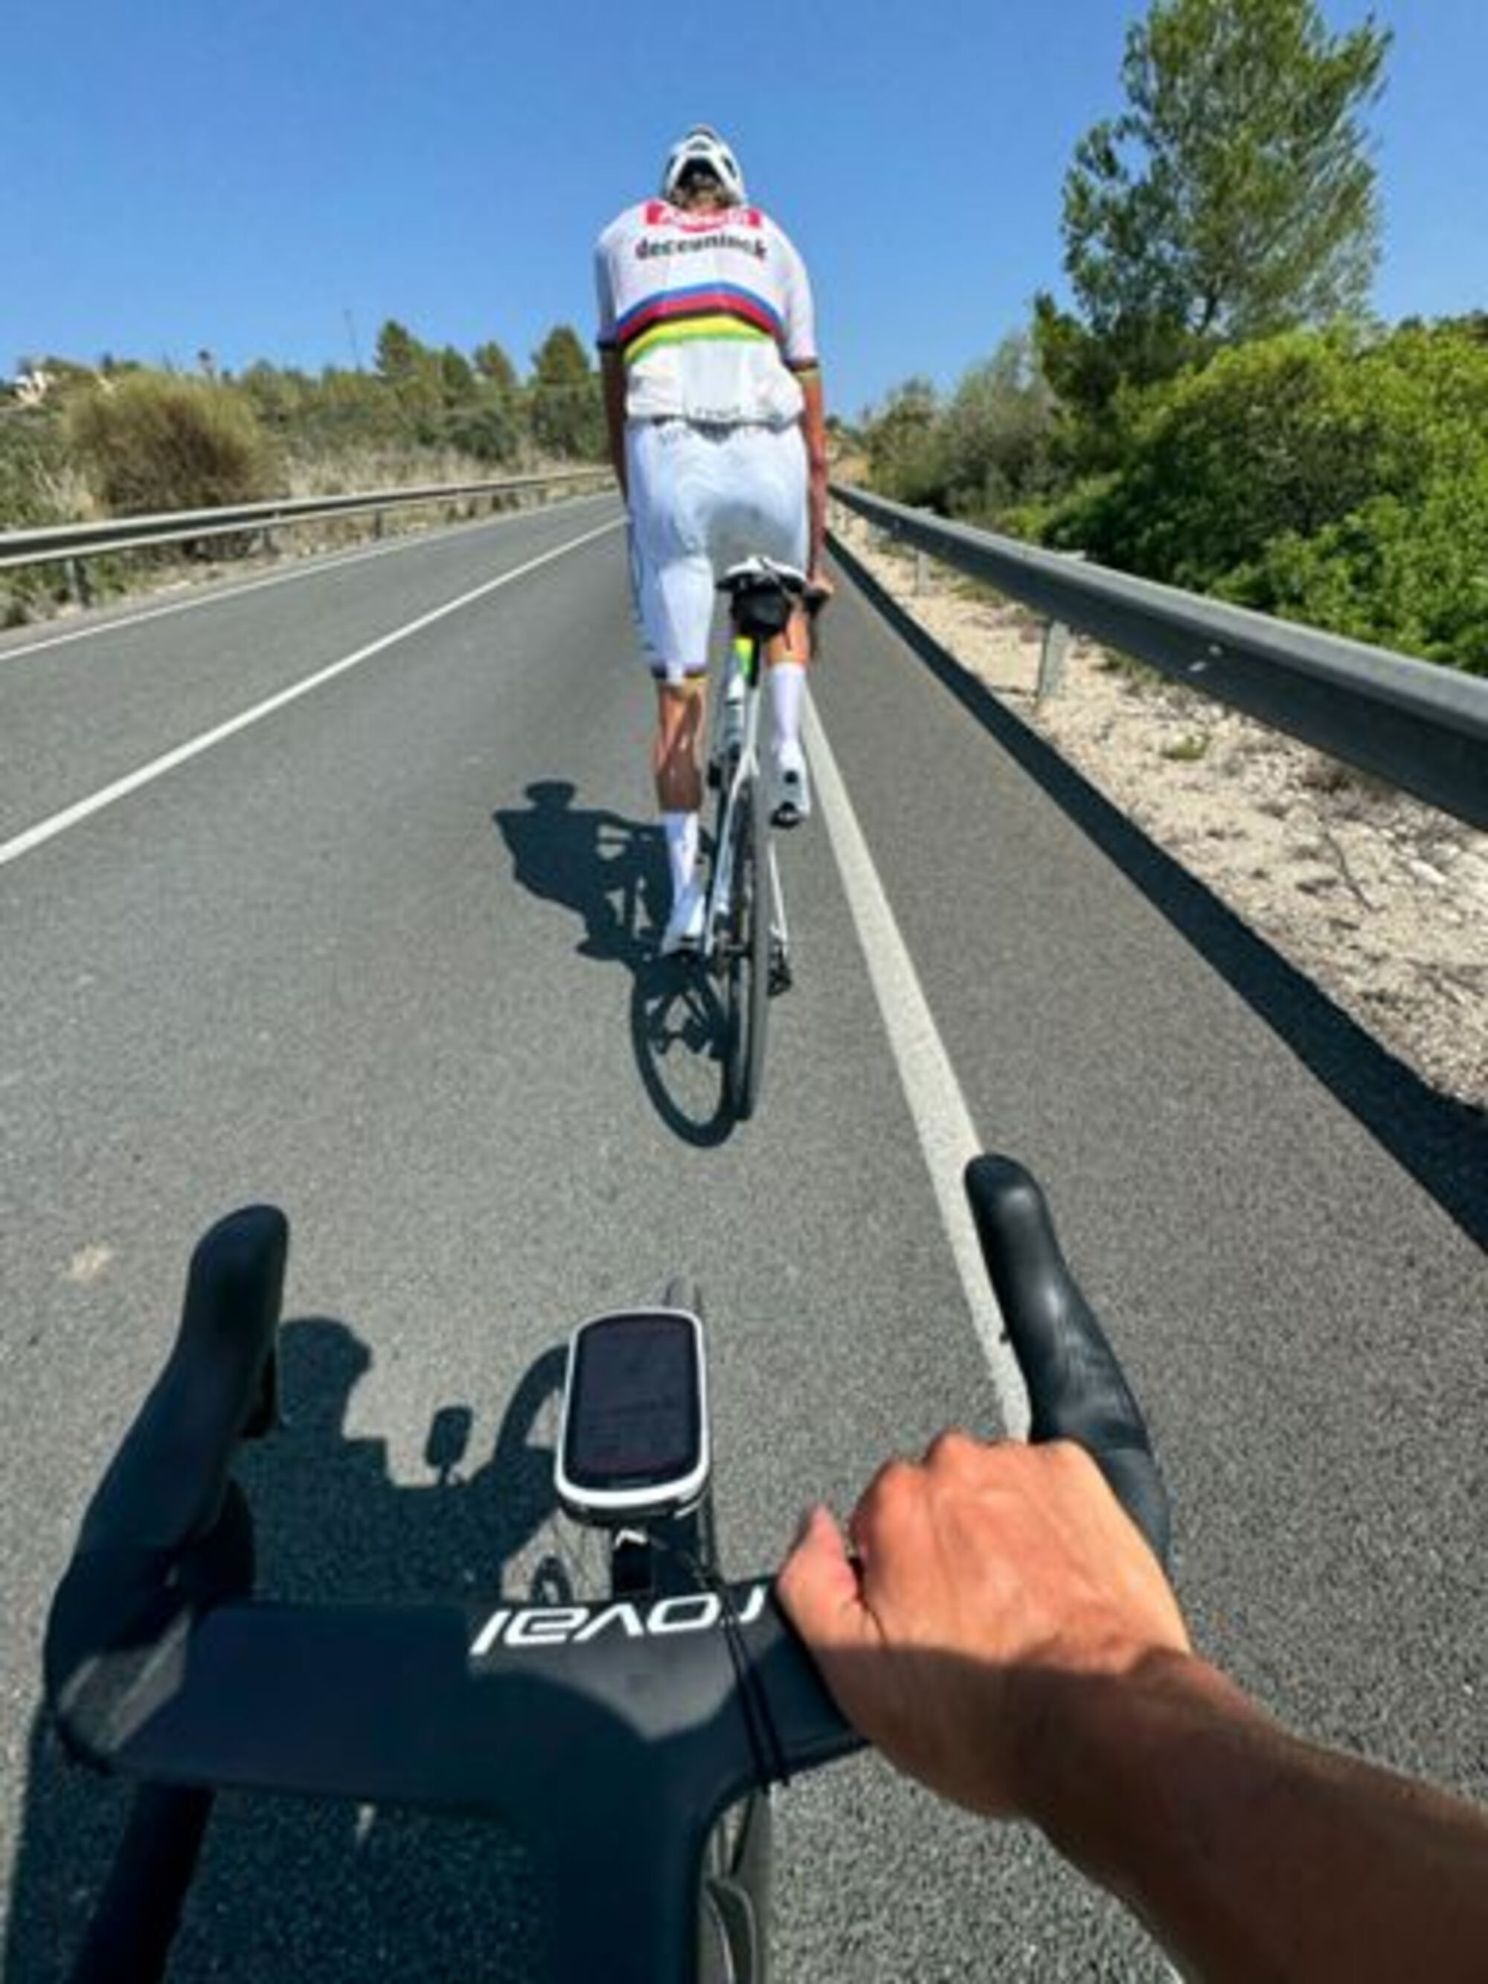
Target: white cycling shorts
<point>702,499</point>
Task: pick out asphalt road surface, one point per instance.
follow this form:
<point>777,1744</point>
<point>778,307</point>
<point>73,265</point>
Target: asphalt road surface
<point>342,890</point>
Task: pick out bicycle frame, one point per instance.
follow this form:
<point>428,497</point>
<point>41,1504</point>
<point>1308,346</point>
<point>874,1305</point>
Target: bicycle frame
<point>748,658</point>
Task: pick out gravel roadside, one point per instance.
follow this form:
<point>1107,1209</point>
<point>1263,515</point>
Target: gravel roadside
<point>1380,900</point>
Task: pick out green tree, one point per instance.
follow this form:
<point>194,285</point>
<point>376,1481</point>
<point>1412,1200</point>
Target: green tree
<point>489,429</point>
<point>567,413</point>
<point>342,411</point>
<point>1325,476</point>
<point>998,431</point>
<point>412,370</point>
<point>988,447</point>
<point>1233,198</point>
<point>457,382</point>
<point>561,359</point>
<point>903,461</point>
<point>398,352</point>
<point>493,365</point>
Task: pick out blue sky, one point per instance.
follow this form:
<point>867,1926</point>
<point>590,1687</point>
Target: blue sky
<point>269,179</point>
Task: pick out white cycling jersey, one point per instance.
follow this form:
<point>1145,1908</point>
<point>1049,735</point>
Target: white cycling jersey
<point>711,312</point>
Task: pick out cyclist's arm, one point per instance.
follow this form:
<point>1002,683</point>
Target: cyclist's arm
<point>612,381</point>
<point>1250,1853</point>
<point>1003,1633</point>
<point>814,427</point>
<point>611,364</point>
<point>800,352</point>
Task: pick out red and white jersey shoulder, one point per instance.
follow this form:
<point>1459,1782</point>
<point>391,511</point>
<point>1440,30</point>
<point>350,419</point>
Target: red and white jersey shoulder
<point>711,313</point>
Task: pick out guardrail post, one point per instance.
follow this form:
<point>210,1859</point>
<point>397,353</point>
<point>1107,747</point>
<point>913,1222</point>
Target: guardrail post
<point>1051,661</point>
<point>78,589</point>
<point>922,574</point>
<point>377,524</point>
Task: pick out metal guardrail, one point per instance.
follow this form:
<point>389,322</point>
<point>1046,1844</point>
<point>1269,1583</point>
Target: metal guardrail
<point>1417,726</point>
<point>60,541</point>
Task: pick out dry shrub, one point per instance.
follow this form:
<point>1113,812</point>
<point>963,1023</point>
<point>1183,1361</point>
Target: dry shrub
<point>153,442</point>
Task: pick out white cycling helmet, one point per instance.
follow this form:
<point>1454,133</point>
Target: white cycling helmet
<point>703,146</point>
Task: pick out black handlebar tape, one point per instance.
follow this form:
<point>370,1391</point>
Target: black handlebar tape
<point>166,1483</point>
<point>167,1536</point>
<point>1076,1388</point>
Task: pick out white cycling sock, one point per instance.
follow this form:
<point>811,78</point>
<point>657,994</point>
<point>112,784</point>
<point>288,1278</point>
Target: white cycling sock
<point>787,684</point>
<point>682,847</point>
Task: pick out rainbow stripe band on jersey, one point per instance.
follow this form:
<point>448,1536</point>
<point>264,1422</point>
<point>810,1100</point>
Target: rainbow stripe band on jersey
<point>706,310</point>
<point>689,330</point>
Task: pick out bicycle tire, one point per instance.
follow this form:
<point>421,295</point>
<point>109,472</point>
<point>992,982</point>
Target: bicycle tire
<point>735,1900</point>
<point>734,1895</point>
<point>747,961</point>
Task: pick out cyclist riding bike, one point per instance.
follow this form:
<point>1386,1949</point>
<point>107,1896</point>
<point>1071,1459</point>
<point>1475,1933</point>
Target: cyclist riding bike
<point>713,401</point>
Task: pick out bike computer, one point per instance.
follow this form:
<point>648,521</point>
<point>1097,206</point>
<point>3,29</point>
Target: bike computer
<point>634,1437</point>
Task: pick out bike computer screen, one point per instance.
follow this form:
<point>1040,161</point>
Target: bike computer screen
<point>634,1428</point>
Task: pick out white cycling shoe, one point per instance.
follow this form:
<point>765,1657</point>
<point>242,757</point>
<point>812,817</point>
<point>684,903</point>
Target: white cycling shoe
<point>684,927</point>
<point>790,792</point>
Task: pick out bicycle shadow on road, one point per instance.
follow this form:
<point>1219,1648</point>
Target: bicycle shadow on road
<point>287,1888</point>
<point>611,872</point>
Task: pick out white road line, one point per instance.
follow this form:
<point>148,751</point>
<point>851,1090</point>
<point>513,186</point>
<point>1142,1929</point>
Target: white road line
<point>46,830</point>
<point>309,568</point>
<point>948,1137</point>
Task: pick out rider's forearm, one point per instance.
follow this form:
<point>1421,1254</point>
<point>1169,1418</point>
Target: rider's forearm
<point>818,517</point>
<point>612,376</point>
<point>1249,1853</point>
<point>814,428</point>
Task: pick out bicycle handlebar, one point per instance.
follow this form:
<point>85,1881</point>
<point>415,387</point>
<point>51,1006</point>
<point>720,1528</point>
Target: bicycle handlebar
<point>1076,1388</point>
<point>166,1483</point>
<point>159,1666</point>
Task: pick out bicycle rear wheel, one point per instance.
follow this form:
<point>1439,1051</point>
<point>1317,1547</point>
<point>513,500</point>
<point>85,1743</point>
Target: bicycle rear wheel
<point>747,953</point>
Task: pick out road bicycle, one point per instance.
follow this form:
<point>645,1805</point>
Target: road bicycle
<point>633,1739</point>
<point>745,937</point>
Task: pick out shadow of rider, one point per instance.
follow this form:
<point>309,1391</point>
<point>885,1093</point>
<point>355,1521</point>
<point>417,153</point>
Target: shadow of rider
<point>610,870</point>
<point>613,873</point>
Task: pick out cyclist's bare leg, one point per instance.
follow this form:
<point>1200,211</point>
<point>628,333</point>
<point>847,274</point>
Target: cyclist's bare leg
<point>795,643</point>
<point>680,708</point>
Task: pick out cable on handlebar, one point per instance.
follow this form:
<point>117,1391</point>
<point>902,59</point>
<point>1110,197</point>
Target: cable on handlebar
<point>764,1738</point>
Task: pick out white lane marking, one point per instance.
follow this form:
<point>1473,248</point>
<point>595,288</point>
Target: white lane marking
<point>309,568</point>
<point>46,830</point>
<point>948,1137</point>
